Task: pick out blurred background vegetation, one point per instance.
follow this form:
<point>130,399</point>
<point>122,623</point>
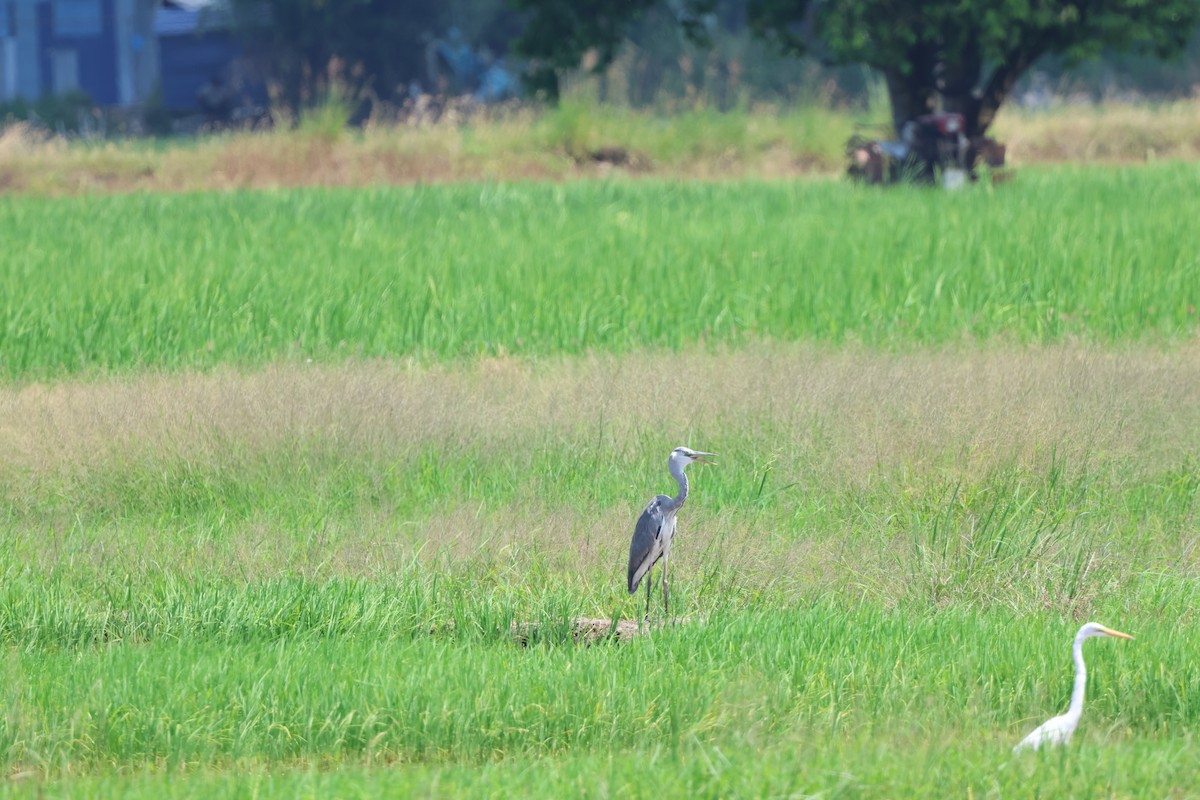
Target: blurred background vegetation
<point>657,65</point>
<point>380,55</point>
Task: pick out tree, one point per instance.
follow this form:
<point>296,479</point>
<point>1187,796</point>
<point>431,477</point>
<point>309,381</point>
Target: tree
<point>378,41</point>
<point>950,55</point>
<point>559,32</point>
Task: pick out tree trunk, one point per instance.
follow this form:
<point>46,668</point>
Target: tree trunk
<point>999,87</point>
<point>913,93</point>
<point>908,101</point>
<point>937,81</point>
<point>958,81</point>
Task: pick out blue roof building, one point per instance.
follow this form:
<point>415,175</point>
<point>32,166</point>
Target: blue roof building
<point>116,51</point>
<point>105,48</point>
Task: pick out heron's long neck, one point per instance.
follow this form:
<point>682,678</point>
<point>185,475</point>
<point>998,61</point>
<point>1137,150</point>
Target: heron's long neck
<point>681,478</point>
<point>1076,708</point>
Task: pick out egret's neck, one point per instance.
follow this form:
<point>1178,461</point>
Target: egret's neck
<point>680,477</point>
<point>1076,708</point>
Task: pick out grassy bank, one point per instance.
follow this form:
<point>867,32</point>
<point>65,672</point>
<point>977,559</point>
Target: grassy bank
<point>578,139</point>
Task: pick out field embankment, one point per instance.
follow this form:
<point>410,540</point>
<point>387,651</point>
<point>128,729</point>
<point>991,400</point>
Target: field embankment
<point>577,140</point>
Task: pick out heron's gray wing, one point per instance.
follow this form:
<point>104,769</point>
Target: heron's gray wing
<point>647,542</point>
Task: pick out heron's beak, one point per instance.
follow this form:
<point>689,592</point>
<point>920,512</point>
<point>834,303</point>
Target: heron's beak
<point>1117,634</point>
<point>703,458</point>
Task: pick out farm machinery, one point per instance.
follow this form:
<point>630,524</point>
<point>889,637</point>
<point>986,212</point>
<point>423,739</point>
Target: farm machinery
<point>932,148</point>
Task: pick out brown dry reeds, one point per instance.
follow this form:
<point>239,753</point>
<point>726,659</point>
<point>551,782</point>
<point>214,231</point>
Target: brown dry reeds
<point>868,408</point>
<point>892,431</point>
<point>526,144</point>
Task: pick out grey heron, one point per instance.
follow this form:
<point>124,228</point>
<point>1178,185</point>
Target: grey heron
<point>656,526</point>
<point>1058,730</point>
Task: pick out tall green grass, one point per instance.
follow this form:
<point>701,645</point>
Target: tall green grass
<point>827,673</point>
<point>865,766</point>
<point>696,138</point>
<point>117,283</point>
<point>135,579</point>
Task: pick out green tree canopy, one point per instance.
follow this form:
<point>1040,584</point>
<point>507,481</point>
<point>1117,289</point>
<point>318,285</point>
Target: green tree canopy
<point>953,55</point>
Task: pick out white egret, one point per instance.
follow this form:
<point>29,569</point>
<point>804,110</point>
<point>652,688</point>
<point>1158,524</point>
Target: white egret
<point>1058,730</point>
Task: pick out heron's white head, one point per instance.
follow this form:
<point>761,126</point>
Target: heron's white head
<point>685,455</point>
<point>1096,629</point>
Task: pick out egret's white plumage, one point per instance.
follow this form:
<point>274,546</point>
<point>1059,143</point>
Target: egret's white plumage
<point>1058,730</point>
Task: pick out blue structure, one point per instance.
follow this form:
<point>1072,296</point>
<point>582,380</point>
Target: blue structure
<point>79,48</point>
<point>105,48</point>
<point>115,51</point>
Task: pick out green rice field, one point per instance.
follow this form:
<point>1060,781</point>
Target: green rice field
<point>113,283</point>
<point>303,492</point>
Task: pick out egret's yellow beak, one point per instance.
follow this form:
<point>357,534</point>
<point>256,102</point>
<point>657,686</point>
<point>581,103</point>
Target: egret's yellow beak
<point>1117,634</point>
<point>703,458</point>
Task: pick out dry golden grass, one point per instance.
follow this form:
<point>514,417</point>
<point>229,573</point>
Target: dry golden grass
<point>868,409</point>
<point>33,162</point>
<point>1106,134</point>
<point>830,421</point>
<point>522,145</point>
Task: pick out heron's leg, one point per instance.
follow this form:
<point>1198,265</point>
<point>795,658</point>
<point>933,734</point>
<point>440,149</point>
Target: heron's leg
<point>666,611</point>
<point>649,583</point>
